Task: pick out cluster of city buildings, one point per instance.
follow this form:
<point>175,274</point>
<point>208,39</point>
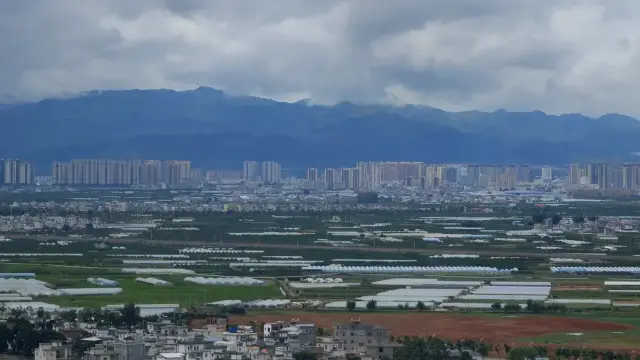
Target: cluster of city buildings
<point>370,175</point>
<point>213,339</point>
<point>15,172</point>
<point>604,176</point>
<point>91,172</point>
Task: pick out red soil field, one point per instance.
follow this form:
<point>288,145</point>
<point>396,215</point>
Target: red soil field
<point>452,326</point>
<point>577,287</point>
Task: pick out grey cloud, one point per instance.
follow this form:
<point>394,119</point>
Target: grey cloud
<point>553,55</point>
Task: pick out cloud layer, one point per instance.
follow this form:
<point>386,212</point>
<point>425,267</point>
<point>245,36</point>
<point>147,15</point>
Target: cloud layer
<point>554,55</point>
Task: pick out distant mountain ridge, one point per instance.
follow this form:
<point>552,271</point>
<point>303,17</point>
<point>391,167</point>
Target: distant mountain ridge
<point>216,130</point>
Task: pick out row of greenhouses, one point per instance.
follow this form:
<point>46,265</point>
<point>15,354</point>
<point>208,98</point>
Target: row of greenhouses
<point>596,269</point>
<point>218,251</point>
<point>153,281</point>
<point>102,282</point>
<point>241,281</point>
<point>409,269</point>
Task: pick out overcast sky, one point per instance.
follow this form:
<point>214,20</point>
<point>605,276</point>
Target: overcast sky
<point>556,56</point>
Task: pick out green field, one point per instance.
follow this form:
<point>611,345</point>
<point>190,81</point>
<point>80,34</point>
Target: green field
<point>593,339</point>
<point>183,293</point>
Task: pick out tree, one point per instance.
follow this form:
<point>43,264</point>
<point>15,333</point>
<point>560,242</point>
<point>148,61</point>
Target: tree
<point>423,349</point>
<point>556,218</point>
<point>371,305</point>
<point>593,218</point>
<point>130,315</point>
<point>535,307</point>
<point>465,356</point>
<point>367,197</point>
<point>351,305</point>
<point>578,219</point>
<point>69,316</point>
<point>512,308</point>
<point>484,349</point>
<point>539,218</point>
<point>304,355</point>
<point>496,306</point>
<point>420,306</point>
<point>522,353</point>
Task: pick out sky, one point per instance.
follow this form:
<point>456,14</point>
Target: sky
<point>561,56</point>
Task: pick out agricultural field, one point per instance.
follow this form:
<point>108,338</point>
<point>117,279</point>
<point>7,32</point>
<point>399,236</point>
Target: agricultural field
<point>595,332</point>
<point>460,256</point>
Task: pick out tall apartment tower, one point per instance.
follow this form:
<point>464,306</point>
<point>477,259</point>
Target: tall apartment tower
<point>271,172</point>
<point>329,178</point>
<point>547,174</point>
<point>251,171</point>
<point>574,174</point>
<point>10,173</point>
<point>312,174</point>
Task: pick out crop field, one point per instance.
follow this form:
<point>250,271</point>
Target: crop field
<point>519,329</point>
<point>444,245</point>
<point>183,293</point>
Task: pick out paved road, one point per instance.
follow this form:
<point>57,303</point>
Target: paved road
<point>333,248</point>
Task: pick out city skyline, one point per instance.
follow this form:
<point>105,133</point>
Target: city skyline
<point>361,176</point>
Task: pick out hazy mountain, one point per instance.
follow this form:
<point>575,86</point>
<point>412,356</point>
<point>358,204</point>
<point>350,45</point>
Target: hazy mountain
<point>217,130</point>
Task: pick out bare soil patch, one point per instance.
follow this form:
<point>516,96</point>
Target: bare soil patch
<point>572,287</point>
<point>452,326</point>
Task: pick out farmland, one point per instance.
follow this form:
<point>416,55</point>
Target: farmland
<point>481,272</point>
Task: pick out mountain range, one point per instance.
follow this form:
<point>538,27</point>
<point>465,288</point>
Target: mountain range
<point>217,130</point>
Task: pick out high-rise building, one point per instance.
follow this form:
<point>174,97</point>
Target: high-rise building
<point>330,178</point>
<point>251,171</point>
<point>25,174</point>
<point>116,173</point>
<point>178,172</point>
<point>364,178</point>
<point>15,172</point>
<point>547,174</point>
<point>524,173</point>
<point>271,172</point>
<point>509,177</point>
<point>312,175</point>
<point>574,174</point>
<point>472,175</point>
<point>10,172</point>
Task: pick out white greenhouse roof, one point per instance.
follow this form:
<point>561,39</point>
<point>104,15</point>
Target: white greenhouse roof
<point>621,283</point>
<point>505,297</point>
<point>225,303</point>
<point>514,290</point>
<point>153,281</point>
<point>521,283</point>
<point>595,269</point>
<point>335,268</point>
<point>301,285</point>
<point>158,271</point>
<point>90,291</point>
<point>579,301</point>
<point>223,280</point>
<point>26,287</point>
<point>426,282</point>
